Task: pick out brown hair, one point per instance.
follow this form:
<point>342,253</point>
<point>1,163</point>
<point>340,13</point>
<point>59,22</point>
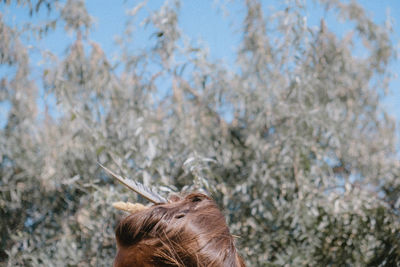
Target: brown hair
<point>189,231</point>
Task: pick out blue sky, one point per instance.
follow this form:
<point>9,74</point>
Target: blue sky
<point>202,20</point>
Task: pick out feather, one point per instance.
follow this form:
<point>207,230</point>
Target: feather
<point>129,207</point>
<point>137,187</point>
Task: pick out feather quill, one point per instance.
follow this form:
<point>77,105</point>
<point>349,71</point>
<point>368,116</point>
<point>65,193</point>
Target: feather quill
<point>137,187</point>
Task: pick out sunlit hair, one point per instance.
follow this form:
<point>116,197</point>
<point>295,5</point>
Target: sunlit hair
<point>189,231</point>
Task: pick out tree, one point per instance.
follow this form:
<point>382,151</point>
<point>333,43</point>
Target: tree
<point>291,141</point>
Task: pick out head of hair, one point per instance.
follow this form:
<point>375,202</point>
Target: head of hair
<point>188,231</point>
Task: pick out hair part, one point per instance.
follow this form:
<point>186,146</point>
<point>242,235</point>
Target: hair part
<point>189,231</point>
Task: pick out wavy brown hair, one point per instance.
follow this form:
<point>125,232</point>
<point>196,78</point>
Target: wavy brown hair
<point>189,231</point>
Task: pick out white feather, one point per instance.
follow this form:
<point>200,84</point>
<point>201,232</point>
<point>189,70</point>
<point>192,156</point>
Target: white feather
<point>142,190</point>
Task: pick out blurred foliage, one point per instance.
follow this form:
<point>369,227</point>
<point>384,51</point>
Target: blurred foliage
<point>291,141</point>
